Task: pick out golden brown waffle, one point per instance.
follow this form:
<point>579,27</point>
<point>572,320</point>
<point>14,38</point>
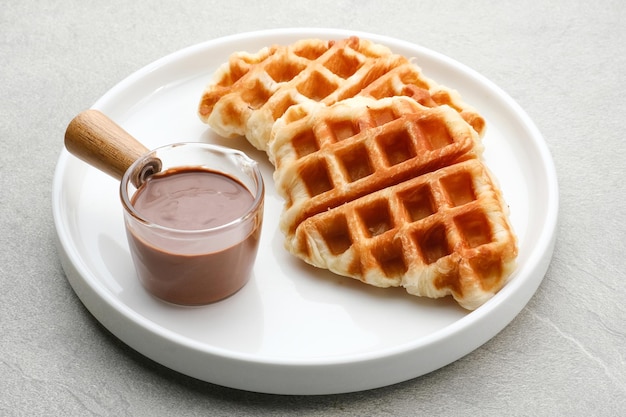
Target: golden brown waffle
<point>252,90</point>
<point>394,194</point>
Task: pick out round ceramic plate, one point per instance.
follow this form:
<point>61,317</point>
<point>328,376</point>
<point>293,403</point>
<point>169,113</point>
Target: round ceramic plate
<point>293,329</point>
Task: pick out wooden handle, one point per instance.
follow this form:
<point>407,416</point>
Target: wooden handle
<point>99,141</point>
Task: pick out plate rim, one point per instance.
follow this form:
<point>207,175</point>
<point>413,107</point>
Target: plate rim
<point>76,272</point>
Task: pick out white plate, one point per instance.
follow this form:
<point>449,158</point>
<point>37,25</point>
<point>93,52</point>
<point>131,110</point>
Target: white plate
<point>293,329</point>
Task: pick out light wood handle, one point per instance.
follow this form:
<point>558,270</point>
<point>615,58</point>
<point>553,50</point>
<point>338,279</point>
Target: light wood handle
<point>99,141</point>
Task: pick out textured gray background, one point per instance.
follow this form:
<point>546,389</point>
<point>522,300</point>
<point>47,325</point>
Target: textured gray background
<point>565,354</point>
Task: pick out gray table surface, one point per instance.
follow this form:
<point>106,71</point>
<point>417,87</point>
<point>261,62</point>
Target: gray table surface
<point>563,62</point>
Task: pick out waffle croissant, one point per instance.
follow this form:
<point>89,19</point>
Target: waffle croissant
<point>380,167</point>
<point>393,193</point>
<point>252,90</point>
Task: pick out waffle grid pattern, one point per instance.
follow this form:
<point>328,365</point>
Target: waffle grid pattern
<point>379,166</point>
<point>439,228</point>
<point>393,193</point>
<point>331,158</point>
<point>250,92</point>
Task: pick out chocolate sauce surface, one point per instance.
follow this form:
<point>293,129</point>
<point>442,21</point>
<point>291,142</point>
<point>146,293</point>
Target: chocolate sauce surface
<point>192,199</point>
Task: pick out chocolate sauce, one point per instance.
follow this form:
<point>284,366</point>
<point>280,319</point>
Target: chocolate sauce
<point>192,199</point>
<point>178,266</point>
